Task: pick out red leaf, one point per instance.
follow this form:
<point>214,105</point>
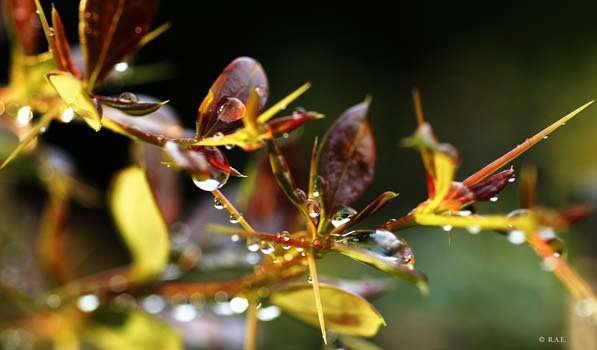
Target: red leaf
<point>280,126</point>
<point>21,14</point>
<point>60,46</point>
<point>217,159</point>
<point>223,106</point>
<point>347,160</point>
<point>110,30</point>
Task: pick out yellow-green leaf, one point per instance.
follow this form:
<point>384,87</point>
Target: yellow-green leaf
<point>140,222</point>
<point>133,330</point>
<point>345,312</point>
<point>74,95</point>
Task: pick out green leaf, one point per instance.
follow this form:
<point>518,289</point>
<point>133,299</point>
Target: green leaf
<point>345,312</point>
<point>133,330</point>
<point>74,95</point>
<point>140,222</point>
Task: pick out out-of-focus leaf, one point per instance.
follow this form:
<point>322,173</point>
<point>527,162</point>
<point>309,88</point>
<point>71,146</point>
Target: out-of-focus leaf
<point>140,222</point>
<point>355,343</point>
<point>156,128</point>
<point>52,240</point>
<point>345,312</point>
<point>60,46</point>
<point>131,107</point>
<point>28,81</point>
<point>163,181</point>
<point>23,24</point>
<point>347,159</point>
<point>283,175</point>
<point>110,30</point>
<point>74,95</point>
<point>383,250</point>
<point>224,104</point>
<point>367,288</point>
<point>267,207</point>
<point>129,329</point>
<point>24,142</point>
<point>528,186</point>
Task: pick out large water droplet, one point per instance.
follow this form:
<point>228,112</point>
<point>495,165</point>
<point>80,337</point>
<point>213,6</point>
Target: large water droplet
<point>342,216</point>
<point>231,109</point>
<point>380,244</point>
<point>217,180</point>
<point>67,115</point>
<point>128,97</point>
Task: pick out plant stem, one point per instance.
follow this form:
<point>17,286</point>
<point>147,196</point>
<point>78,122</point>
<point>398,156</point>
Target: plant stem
<point>317,295</point>
<point>251,327</point>
<point>220,197</point>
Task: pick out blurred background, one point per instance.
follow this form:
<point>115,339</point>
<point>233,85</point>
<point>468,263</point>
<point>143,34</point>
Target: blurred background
<point>490,75</point>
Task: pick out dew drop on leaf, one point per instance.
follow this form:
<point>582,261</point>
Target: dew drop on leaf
<point>231,109</point>
<point>379,244</point>
<point>342,216</point>
<point>128,97</point>
<point>493,199</point>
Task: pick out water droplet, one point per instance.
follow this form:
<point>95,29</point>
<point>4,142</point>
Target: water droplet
<point>235,238</point>
<point>511,180</point>
<point>547,233</point>
<point>474,229</point>
<point>285,135</point>
<point>239,305</point>
<point>516,237</point>
<point>447,228</point>
<point>43,130</point>
<point>493,199</point>
<point>67,115</point>
<point>153,304</point>
<point>138,29</point>
<point>313,208</point>
<point>2,108</point>
<point>268,313</point>
<point>315,193</point>
<point>342,216</point>
<point>229,147</point>
<point>121,67</point>
<point>586,307</point>
<point>253,258</point>
<point>378,244</point>
<point>234,219</point>
<point>266,247</point>
<point>217,180</point>
<point>218,135</point>
<point>24,115</point>
<point>284,236</point>
<point>53,301</point>
<point>88,302</point>
<point>309,279</point>
<point>184,312</point>
<point>231,109</point>
<point>550,263</point>
<point>545,137</point>
<point>218,205</point>
<point>300,195</point>
<point>464,213</point>
<point>128,97</point>
<point>253,245</point>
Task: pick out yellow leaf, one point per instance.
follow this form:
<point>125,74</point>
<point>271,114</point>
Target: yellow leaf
<point>345,312</point>
<point>134,330</point>
<point>74,95</point>
<point>140,223</point>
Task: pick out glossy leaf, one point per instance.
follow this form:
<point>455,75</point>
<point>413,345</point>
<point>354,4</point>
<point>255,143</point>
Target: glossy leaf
<point>156,128</point>
<point>74,95</point>
<point>345,312</point>
<point>284,125</point>
<point>60,46</point>
<point>109,329</point>
<point>224,104</point>
<point>131,107</point>
<point>23,23</point>
<point>383,250</point>
<point>140,223</point>
<point>347,159</point>
<point>110,30</point>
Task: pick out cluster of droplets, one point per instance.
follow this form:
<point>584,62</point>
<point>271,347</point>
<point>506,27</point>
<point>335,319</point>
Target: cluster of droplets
<point>380,243</point>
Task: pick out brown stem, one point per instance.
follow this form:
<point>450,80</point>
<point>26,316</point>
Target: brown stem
<point>220,197</point>
<point>252,323</point>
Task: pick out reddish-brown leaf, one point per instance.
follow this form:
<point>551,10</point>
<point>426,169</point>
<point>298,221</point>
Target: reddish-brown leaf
<point>60,46</point>
<point>224,104</point>
<point>267,207</point>
<point>110,30</point>
<point>216,159</point>
<point>347,160</point>
<point>130,105</point>
<point>23,19</point>
<point>283,125</point>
